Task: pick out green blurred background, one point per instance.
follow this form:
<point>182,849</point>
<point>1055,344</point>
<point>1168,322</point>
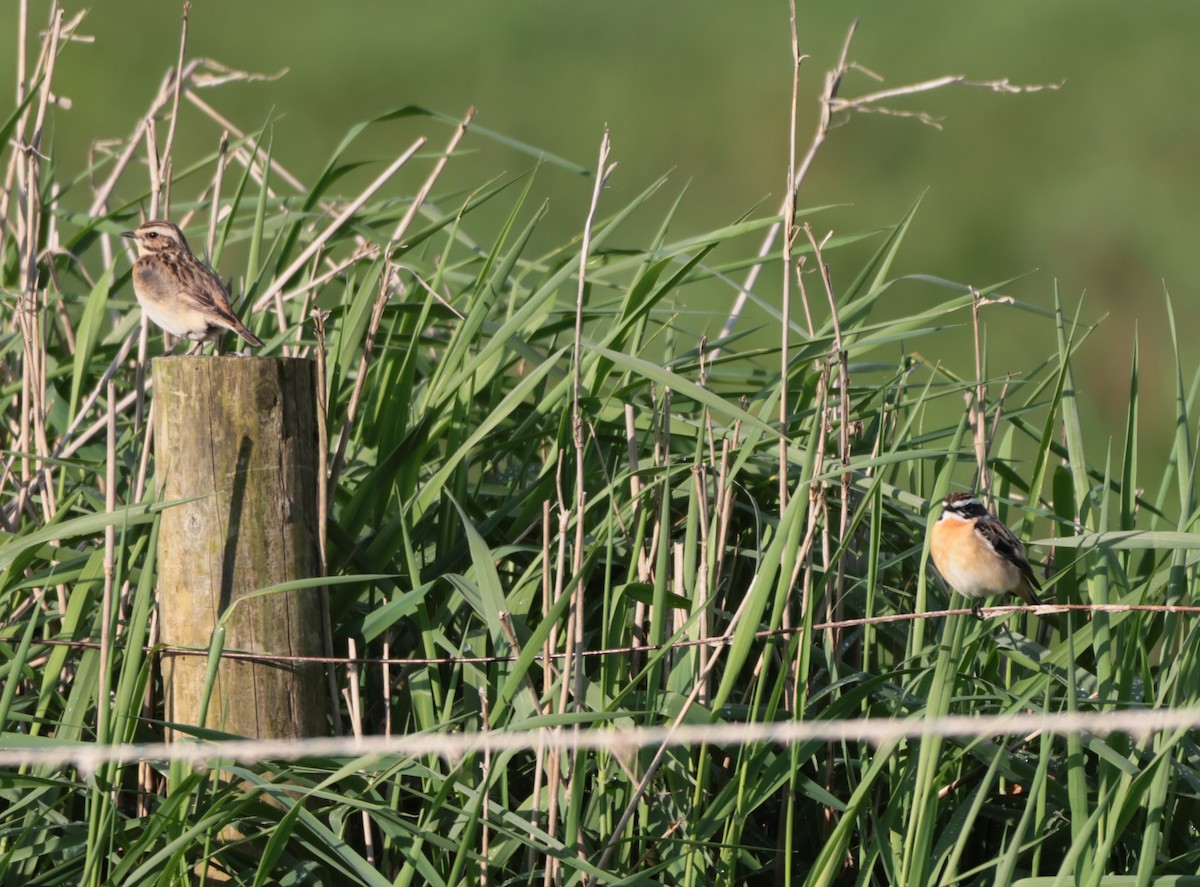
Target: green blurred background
<point>1091,188</point>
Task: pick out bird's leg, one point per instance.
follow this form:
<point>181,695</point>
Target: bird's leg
<point>977,610</point>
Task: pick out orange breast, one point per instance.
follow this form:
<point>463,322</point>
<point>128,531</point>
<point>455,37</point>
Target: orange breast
<point>968,564</point>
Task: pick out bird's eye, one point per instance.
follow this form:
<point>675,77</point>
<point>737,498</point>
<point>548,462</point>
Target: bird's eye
<point>152,234</point>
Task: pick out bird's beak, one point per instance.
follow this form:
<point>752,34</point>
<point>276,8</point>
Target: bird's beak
<point>130,234</point>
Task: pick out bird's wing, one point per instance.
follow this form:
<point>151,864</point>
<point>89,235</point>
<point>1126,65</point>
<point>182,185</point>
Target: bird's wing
<point>1008,546</point>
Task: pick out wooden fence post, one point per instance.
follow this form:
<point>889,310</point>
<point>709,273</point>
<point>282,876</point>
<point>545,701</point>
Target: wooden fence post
<point>238,437</point>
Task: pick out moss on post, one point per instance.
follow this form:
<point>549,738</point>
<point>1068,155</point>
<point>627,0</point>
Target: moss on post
<point>237,437</point>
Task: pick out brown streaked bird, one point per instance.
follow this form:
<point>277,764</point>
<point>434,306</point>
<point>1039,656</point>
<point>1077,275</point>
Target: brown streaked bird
<point>977,555</point>
<point>179,292</point>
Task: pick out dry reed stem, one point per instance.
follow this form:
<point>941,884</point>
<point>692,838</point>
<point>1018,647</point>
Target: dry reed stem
<point>139,382</point>
<point>110,543</point>
<point>335,225</point>
<point>662,460</point>
<point>547,601</point>
<point>991,437</point>
<point>642,565</point>
<point>386,686</point>
<point>68,444</point>
<point>704,592</point>
<point>553,873</point>
<point>154,166</point>
<point>43,69</point>
<point>246,154</point>
<point>671,619</point>
<point>485,778</point>
<point>281,318</point>
<point>360,379</point>
<point>381,297</point>
<point>144,459</point>
<point>32,309</point>
<point>725,504</point>
<point>298,348</point>
<point>815,490</point>
<point>789,241</point>
<point>215,213</point>
<point>603,170</point>
<point>22,37</point>
<point>667,740</point>
<point>427,186</point>
<point>833,80</point>
<point>833,600</point>
<point>635,480</point>
<point>866,102</point>
<point>615,839</point>
<point>510,633</point>
<point>354,707</point>
<point>535,812</point>
<point>318,318</point>
<point>140,134</point>
<point>572,676</point>
<point>977,408</point>
<point>164,170</point>
<point>791,233</point>
<point>977,411</point>
<point>831,103</point>
<point>539,770</point>
<point>333,269</point>
<point>32,305</point>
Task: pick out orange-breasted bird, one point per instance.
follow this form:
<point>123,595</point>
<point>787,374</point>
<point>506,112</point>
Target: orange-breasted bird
<point>977,555</point>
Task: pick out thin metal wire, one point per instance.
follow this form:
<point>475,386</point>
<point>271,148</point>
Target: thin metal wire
<point>717,641</point>
<point>1137,723</point>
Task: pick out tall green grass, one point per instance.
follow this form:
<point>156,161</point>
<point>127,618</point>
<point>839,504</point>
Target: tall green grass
<point>654,564</point>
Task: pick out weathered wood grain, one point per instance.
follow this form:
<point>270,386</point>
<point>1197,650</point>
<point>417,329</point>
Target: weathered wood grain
<point>238,437</point>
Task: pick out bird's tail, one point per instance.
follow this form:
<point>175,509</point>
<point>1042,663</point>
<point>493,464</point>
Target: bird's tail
<point>244,331</point>
<point>1026,591</point>
<point>236,326</point>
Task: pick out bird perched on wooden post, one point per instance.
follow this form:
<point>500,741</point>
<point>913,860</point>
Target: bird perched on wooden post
<point>177,291</point>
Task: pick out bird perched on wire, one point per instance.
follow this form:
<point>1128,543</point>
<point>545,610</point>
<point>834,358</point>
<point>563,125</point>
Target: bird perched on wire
<point>977,555</point>
<point>179,292</point>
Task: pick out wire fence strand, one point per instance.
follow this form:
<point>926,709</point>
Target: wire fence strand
<point>715,641</point>
<point>18,751</point>
<point>1138,723</point>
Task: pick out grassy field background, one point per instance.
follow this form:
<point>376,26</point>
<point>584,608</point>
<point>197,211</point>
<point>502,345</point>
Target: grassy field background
<point>1091,187</point>
<point>564,512</point>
